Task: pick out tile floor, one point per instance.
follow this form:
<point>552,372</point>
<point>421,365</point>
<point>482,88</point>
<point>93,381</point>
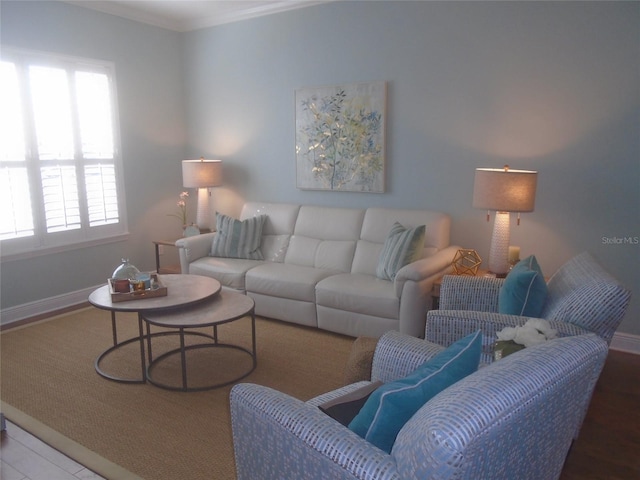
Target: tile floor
<point>24,457</point>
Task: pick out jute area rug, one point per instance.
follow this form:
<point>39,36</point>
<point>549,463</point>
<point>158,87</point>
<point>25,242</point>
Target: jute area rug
<point>50,388</point>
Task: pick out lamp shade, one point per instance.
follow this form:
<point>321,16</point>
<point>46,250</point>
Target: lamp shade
<point>201,173</point>
<point>505,190</point>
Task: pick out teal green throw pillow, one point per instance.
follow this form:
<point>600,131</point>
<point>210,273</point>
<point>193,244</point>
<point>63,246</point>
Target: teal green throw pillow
<point>238,239</point>
<point>402,246</point>
<point>393,404</point>
<point>524,291</point>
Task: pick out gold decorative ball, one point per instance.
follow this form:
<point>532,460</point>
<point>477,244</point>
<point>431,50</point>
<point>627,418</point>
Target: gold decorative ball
<point>466,262</point>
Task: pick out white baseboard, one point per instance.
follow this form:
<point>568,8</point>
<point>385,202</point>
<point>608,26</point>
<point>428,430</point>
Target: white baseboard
<point>47,305</point>
<point>624,342</point>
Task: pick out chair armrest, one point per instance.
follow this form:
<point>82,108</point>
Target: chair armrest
<point>461,292</point>
<point>278,436</point>
<point>337,393</point>
<point>447,326</point>
<point>192,248</point>
<point>398,354</point>
<point>513,419</point>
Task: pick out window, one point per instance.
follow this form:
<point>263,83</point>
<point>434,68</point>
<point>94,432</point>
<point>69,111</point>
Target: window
<point>60,170</point>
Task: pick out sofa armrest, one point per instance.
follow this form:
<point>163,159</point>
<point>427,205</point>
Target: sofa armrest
<point>444,327</point>
<point>278,436</point>
<point>192,248</point>
<point>461,292</point>
<point>439,262</point>
<point>398,354</point>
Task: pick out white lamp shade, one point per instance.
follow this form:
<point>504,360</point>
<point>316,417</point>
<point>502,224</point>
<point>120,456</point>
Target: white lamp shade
<point>201,173</point>
<point>505,190</point>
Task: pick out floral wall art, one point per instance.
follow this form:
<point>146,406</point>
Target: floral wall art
<point>340,137</point>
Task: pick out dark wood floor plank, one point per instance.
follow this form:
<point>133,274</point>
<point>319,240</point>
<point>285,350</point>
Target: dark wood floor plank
<point>608,447</point>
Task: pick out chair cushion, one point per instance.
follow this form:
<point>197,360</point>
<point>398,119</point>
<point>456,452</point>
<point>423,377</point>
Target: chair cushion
<point>524,290</point>
<point>238,239</point>
<point>402,246</point>
<point>394,403</point>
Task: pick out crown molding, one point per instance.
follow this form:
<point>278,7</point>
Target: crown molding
<point>195,22</point>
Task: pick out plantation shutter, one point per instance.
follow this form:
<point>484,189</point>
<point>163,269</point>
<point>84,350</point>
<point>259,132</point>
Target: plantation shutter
<point>58,157</point>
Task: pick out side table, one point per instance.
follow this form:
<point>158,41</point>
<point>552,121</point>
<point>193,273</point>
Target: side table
<point>168,269</point>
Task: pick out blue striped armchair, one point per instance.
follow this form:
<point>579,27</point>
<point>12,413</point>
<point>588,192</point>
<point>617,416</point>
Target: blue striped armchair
<point>582,297</point>
<point>515,418</point>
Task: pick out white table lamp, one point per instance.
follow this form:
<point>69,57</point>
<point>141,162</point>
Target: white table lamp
<point>503,190</point>
<point>202,174</point>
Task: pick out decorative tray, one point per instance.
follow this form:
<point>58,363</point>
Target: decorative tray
<point>157,290</point>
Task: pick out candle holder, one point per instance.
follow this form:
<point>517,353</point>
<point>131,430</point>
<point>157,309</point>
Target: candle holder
<point>514,256</point>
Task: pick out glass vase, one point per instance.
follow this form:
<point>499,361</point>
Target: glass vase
<point>125,270</point>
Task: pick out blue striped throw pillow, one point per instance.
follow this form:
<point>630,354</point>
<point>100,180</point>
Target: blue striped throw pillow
<point>238,239</point>
<point>402,246</point>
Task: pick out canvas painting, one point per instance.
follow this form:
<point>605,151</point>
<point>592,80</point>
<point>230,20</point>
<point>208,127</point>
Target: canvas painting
<point>340,137</point>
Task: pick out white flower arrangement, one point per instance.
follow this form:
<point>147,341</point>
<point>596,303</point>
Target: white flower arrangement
<point>534,332</point>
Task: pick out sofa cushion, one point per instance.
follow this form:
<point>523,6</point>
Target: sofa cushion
<point>325,254</point>
<point>378,221</point>
<point>325,237</point>
<point>393,404</point>
<point>329,223</point>
<point>524,291</point>
<point>277,228</point>
<point>238,238</point>
<point>365,258</point>
<point>230,272</point>
<point>402,246</point>
<point>282,280</point>
<point>362,294</point>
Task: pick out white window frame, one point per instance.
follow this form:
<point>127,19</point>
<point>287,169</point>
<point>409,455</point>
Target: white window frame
<point>43,243</point>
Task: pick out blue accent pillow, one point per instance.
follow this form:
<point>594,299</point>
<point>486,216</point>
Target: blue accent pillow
<point>402,246</point>
<point>393,404</point>
<point>524,291</point>
<point>238,239</point>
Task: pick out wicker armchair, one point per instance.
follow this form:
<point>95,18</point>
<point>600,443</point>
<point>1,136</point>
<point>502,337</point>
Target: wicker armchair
<point>582,297</point>
<point>515,418</point>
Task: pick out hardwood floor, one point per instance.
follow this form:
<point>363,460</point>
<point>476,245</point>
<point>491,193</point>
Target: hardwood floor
<point>608,447</point>
<point>24,457</point>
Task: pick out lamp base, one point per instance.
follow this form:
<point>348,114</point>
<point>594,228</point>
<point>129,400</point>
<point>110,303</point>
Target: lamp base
<point>203,216</point>
<point>499,251</point>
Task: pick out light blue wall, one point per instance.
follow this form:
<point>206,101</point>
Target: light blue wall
<point>551,86</point>
<point>148,64</point>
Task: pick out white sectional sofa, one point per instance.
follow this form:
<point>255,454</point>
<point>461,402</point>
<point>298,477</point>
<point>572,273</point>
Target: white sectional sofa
<point>319,267</point>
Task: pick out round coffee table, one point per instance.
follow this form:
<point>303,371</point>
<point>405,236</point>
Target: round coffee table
<point>224,308</point>
<point>182,291</point>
